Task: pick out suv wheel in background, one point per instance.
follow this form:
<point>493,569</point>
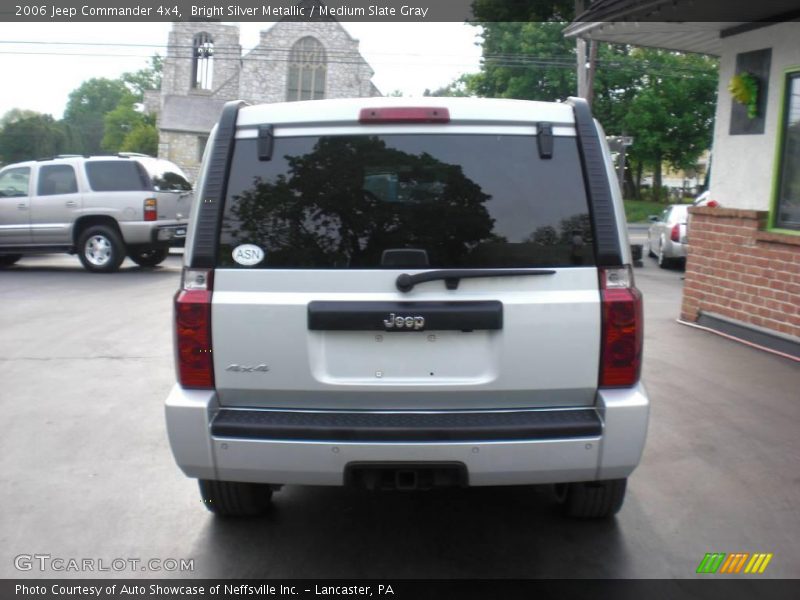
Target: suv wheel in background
<point>591,499</point>
<point>6,260</point>
<point>149,257</point>
<point>100,249</point>
<point>235,498</point>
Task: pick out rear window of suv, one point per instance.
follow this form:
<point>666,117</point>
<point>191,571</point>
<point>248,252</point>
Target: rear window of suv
<point>116,176</point>
<point>166,176</point>
<point>467,201</point>
<point>136,175</point>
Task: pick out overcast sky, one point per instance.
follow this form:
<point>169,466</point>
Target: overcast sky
<point>405,56</point>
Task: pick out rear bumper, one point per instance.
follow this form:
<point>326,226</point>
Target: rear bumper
<point>675,249</point>
<point>152,232</point>
<point>281,447</point>
<point>172,234</point>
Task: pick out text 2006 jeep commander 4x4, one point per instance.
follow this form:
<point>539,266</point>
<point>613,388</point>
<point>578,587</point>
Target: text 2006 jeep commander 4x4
<point>408,297</point>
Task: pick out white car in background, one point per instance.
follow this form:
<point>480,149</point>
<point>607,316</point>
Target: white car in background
<point>666,238</point>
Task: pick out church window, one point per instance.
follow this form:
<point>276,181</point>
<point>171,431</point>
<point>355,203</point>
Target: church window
<point>202,61</point>
<point>307,71</point>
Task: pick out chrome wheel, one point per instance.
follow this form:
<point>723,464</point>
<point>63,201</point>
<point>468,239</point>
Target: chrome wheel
<point>98,250</point>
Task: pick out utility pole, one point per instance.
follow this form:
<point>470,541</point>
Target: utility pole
<point>591,68</point>
<point>585,64</point>
<point>625,143</point>
<point>580,47</point>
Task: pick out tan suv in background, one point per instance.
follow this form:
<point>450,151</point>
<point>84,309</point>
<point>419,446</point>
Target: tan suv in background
<point>101,208</point>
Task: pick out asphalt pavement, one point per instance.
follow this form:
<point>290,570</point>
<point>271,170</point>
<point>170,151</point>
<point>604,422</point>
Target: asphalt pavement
<point>85,365</point>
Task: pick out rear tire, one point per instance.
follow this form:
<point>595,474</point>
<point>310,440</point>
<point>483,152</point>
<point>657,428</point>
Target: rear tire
<point>100,249</point>
<point>591,499</point>
<point>235,498</point>
<point>149,257</point>
<point>6,260</point>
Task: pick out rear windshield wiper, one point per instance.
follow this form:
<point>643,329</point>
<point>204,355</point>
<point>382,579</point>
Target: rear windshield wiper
<point>452,277</point>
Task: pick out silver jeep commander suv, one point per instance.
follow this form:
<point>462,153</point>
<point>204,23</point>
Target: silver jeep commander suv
<point>404,297</point>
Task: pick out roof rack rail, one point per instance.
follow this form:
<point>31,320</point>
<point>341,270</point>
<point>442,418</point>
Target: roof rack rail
<point>132,154</point>
<point>60,156</point>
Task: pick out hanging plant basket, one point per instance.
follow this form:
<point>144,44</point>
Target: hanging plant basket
<point>744,89</point>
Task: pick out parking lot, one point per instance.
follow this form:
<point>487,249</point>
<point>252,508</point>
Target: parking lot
<point>85,365</point>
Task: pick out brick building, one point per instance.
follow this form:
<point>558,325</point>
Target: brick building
<point>204,67</point>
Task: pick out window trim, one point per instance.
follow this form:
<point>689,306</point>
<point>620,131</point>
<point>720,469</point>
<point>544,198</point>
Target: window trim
<point>789,73</point>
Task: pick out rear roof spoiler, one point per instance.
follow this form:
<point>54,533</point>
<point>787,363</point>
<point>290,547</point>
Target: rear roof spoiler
<point>211,197</point>
<point>601,202</point>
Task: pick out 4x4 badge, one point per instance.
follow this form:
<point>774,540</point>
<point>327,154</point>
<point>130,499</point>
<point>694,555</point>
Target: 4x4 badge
<point>400,322</point>
<point>247,369</point>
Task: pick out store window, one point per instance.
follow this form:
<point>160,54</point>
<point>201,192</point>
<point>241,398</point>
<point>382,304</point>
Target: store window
<point>787,203</point>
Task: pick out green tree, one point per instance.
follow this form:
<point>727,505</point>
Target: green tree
<point>149,78</point>
<point>101,114</point>
<point>534,61</point>
<point>142,138</point>
<point>126,128</point>
<point>525,54</point>
<point>671,114</point>
<point>529,60</point>
<point>17,114</point>
<point>86,110</point>
<point>460,88</point>
<point>119,123</point>
<point>31,137</point>
<point>122,122</point>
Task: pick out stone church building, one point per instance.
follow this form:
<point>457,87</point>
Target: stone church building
<point>204,68</point>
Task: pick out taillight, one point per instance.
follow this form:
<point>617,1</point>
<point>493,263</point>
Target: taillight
<point>675,234</point>
<point>150,209</point>
<point>193,360</point>
<point>623,324</point>
<point>398,114</point>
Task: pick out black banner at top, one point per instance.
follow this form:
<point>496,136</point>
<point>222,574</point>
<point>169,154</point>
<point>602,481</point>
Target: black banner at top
<point>401,10</point>
<point>238,10</point>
